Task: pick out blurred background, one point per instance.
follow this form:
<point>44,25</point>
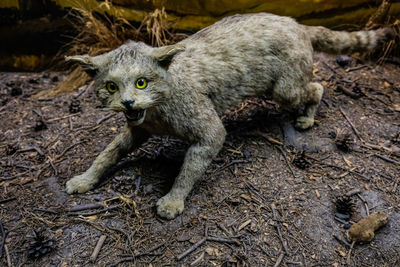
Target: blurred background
<point>36,33</point>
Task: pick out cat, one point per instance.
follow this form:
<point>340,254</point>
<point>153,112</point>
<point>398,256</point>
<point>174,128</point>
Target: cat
<point>182,90</point>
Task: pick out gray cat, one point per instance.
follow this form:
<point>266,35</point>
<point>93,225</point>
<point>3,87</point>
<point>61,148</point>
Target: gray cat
<point>182,90</point>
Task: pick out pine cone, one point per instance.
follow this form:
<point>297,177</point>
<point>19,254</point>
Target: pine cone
<point>344,141</point>
<point>75,106</point>
<point>300,161</point>
<point>345,205</point>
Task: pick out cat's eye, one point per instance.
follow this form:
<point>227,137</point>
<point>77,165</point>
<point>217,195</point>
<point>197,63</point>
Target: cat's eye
<point>111,87</point>
<point>141,83</point>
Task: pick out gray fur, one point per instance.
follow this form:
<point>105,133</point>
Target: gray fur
<point>192,83</point>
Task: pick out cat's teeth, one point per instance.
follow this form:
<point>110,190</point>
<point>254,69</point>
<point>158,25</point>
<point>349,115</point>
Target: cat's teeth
<point>134,115</point>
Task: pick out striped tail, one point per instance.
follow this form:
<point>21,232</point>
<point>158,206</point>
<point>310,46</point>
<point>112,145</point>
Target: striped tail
<point>340,42</point>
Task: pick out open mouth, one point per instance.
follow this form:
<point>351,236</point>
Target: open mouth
<point>135,115</point>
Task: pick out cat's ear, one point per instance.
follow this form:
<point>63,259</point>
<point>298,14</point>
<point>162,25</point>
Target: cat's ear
<point>165,54</point>
<point>87,63</point>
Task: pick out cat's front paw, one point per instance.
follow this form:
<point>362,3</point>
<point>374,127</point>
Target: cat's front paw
<point>169,207</point>
<point>80,184</point>
<point>304,122</point>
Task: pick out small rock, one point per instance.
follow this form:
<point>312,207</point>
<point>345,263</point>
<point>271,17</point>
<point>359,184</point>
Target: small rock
<point>40,125</point>
<point>16,91</point>
<point>363,231</point>
<point>246,154</point>
<point>32,80</point>
<point>55,79</point>
<point>343,61</point>
<point>148,188</point>
<point>341,216</point>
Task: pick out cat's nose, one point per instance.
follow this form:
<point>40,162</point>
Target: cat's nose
<point>128,104</point>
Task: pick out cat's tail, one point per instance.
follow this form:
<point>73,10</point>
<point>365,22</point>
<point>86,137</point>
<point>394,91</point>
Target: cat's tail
<point>338,42</point>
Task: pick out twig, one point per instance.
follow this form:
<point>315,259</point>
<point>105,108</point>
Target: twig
<point>337,73</point>
<point>387,159</point>
<point>340,168</point>
<point>67,149</point>
<point>223,228</point>
<point>230,164</point>
<point>341,240</point>
<point>347,92</point>
<point>14,176</point>
<point>243,225</point>
<point>8,256</point>
<point>222,240</point>
<point>3,238</point>
<point>7,200</point>
<point>71,126</point>
<point>46,211</point>
<point>278,229</point>
<point>138,255</point>
<point>269,139</point>
<point>287,161</point>
<point>86,207</point>
<point>365,204</point>
<point>137,185</point>
<point>97,249</point>
<point>198,260</point>
<point>191,249</point>
<point>356,68</point>
<point>52,165</point>
<point>279,260</point>
<point>96,211</point>
<point>349,254</point>
<point>61,118</point>
<point>352,125</point>
<point>30,148</point>
<point>128,237</point>
<point>104,118</point>
<point>83,90</point>
<point>252,189</point>
<point>353,192</point>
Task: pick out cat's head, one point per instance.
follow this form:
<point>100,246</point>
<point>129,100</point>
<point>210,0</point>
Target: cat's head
<point>131,78</point>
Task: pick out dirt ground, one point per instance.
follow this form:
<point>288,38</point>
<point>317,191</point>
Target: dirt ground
<point>268,199</point>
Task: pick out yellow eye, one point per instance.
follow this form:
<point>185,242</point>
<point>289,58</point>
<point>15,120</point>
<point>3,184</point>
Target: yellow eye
<point>111,87</point>
<point>141,83</point>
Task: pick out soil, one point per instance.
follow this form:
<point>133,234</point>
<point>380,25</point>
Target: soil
<point>267,199</point>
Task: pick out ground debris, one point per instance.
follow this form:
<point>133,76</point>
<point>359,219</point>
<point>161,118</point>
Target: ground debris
<point>363,231</point>
<point>345,205</point>
<point>344,141</point>
<point>40,245</point>
<point>236,188</point>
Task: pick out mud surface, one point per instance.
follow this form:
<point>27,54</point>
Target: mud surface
<point>269,197</point>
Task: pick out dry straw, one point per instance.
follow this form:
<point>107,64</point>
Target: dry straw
<point>99,33</point>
